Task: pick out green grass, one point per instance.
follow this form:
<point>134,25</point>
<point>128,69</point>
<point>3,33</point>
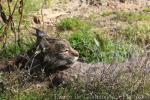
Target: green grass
<point>27,95</point>
<point>100,47</point>
<point>147,10</point>
<point>13,49</point>
<point>107,13</point>
<point>97,47</point>
<point>35,5</point>
<point>137,34</point>
<point>72,24</point>
<point>132,16</point>
<point>29,6</point>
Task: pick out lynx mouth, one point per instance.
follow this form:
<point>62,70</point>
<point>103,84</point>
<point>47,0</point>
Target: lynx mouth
<point>75,59</point>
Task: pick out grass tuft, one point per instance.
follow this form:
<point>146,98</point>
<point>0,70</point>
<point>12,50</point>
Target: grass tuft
<point>13,49</point>
<point>147,10</point>
<point>137,34</point>
<point>132,16</point>
<point>100,47</point>
<point>72,24</point>
<point>107,13</point>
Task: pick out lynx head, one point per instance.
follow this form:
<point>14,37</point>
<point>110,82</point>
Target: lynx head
<point>59,53</point>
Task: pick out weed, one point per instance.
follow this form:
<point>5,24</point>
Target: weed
<point>99,48</point>
<point>16,42</point>
<point>72,24</point>
<point>12,49</point>
<point>32,5</point>
<point>132,16</point>
<point>108,13</point>
<point>137,34</point>
<point>83,42</point>
<point>146,10</point>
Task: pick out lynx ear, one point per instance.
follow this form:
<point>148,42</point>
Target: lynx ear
<point>39,33</point>
<point>41,42</point>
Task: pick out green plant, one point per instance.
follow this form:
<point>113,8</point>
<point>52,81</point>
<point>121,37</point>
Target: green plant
<point>146,10</point>
<point>33,5</point>
<point>137,34</point>
<point>99,48</point>
<point>107,13</point>
<point>132,16</point>
<point>72,24</point>
<point>15,40</point>
<point>83,42</point>
<point>13,49</point>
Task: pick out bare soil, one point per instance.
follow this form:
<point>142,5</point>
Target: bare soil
<point>74,8</point>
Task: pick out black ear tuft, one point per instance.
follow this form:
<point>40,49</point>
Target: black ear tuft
<point>39,33</point>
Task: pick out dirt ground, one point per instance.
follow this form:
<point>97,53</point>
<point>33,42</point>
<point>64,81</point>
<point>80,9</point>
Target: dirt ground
<point>74,8</point>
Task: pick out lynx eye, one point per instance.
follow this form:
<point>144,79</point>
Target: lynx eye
<point>66,50</point>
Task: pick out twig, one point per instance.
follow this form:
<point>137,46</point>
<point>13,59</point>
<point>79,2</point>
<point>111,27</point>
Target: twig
<point>13,30</point>
<point>20,20</point>
<point>42,13</point>
<point>14,8</point>
<point>8,3</point>
<point>42,17</point>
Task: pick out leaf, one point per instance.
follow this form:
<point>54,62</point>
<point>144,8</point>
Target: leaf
<point>96,42</point>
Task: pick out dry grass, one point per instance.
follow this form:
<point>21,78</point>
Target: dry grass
<point>114,81</point>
